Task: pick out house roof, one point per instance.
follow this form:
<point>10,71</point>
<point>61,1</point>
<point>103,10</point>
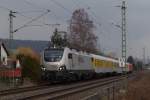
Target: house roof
<point>2,44</point>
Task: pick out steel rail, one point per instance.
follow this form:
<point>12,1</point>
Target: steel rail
<point>23,93</point>
<point>29,88</point>
<point>72,89</point>
<point>23,89</point>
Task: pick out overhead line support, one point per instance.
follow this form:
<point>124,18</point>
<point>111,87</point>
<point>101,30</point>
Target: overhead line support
<point>123,11</point>
<point>11,16</point>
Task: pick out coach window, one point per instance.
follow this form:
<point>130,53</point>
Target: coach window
<point>70,56</point>
<point>92,59</point>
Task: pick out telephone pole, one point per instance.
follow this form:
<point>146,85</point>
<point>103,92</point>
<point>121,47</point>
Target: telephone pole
<point>11,16</point>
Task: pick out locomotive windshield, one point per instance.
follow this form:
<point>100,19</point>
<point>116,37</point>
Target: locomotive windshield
<point>53,55</point>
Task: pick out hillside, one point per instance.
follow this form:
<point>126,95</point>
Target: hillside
<point>36,45</point>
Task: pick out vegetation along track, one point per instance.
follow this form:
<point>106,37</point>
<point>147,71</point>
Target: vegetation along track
<point>42,91</point>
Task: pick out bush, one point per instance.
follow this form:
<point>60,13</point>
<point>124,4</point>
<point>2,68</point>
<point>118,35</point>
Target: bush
<point>30,63</point>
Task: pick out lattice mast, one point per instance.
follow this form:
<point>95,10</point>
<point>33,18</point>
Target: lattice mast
<point>123,13</point>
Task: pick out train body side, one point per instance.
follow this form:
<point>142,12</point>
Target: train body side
<point>79,65</point>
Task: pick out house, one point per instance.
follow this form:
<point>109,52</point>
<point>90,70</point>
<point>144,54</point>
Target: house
<point>3,54</point>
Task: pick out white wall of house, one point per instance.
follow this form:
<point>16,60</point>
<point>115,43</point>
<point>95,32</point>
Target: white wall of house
<point>3,54</point>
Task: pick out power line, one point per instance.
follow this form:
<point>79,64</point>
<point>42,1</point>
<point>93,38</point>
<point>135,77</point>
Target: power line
<point>4,8</point>
<point>54,1</point>
<point>19,13</point>
<point>32,21</point>
<point>37,6</point>
<point>93,13</point>
<point>60,5</point>
<point>33,4</point>
<point>33,11</point>
<point>27,17</point>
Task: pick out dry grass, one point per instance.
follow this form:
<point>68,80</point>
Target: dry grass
<point>139,88</point>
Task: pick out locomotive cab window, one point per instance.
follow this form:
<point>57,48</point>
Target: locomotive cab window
<point>53,55</point>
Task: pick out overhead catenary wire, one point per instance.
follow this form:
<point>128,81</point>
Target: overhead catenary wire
<point>32,21</point>
<point>33,11</point>
<point>60,5</point>
<point>93,15</point>
<point>27,17</point>
<point>33,4</point>
<point>57,3</point>
<point>19,13</point>
<point>4,8</point>
<point>42,8</point>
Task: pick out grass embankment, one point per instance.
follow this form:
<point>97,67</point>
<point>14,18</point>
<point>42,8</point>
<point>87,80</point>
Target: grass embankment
<point>139,87</point>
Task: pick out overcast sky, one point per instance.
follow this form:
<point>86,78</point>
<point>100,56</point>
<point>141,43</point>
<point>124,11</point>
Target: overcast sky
<point>102,12</point>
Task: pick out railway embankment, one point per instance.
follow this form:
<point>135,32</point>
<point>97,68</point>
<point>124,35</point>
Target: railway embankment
<point>104,89</point>
<point>6,85</point>
<point>138,88</point>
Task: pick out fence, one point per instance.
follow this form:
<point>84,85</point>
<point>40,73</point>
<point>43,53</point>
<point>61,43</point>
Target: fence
<point>10,76</point>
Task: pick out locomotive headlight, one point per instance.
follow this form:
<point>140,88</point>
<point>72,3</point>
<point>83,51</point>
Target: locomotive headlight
<point>61,68</point>
<point>43,68</point>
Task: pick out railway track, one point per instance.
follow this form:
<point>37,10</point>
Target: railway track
<point>23,89</point>
<point>70,90</point>
<point>51,92</point>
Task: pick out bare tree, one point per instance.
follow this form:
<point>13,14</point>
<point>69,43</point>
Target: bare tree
<point>81,35</point>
